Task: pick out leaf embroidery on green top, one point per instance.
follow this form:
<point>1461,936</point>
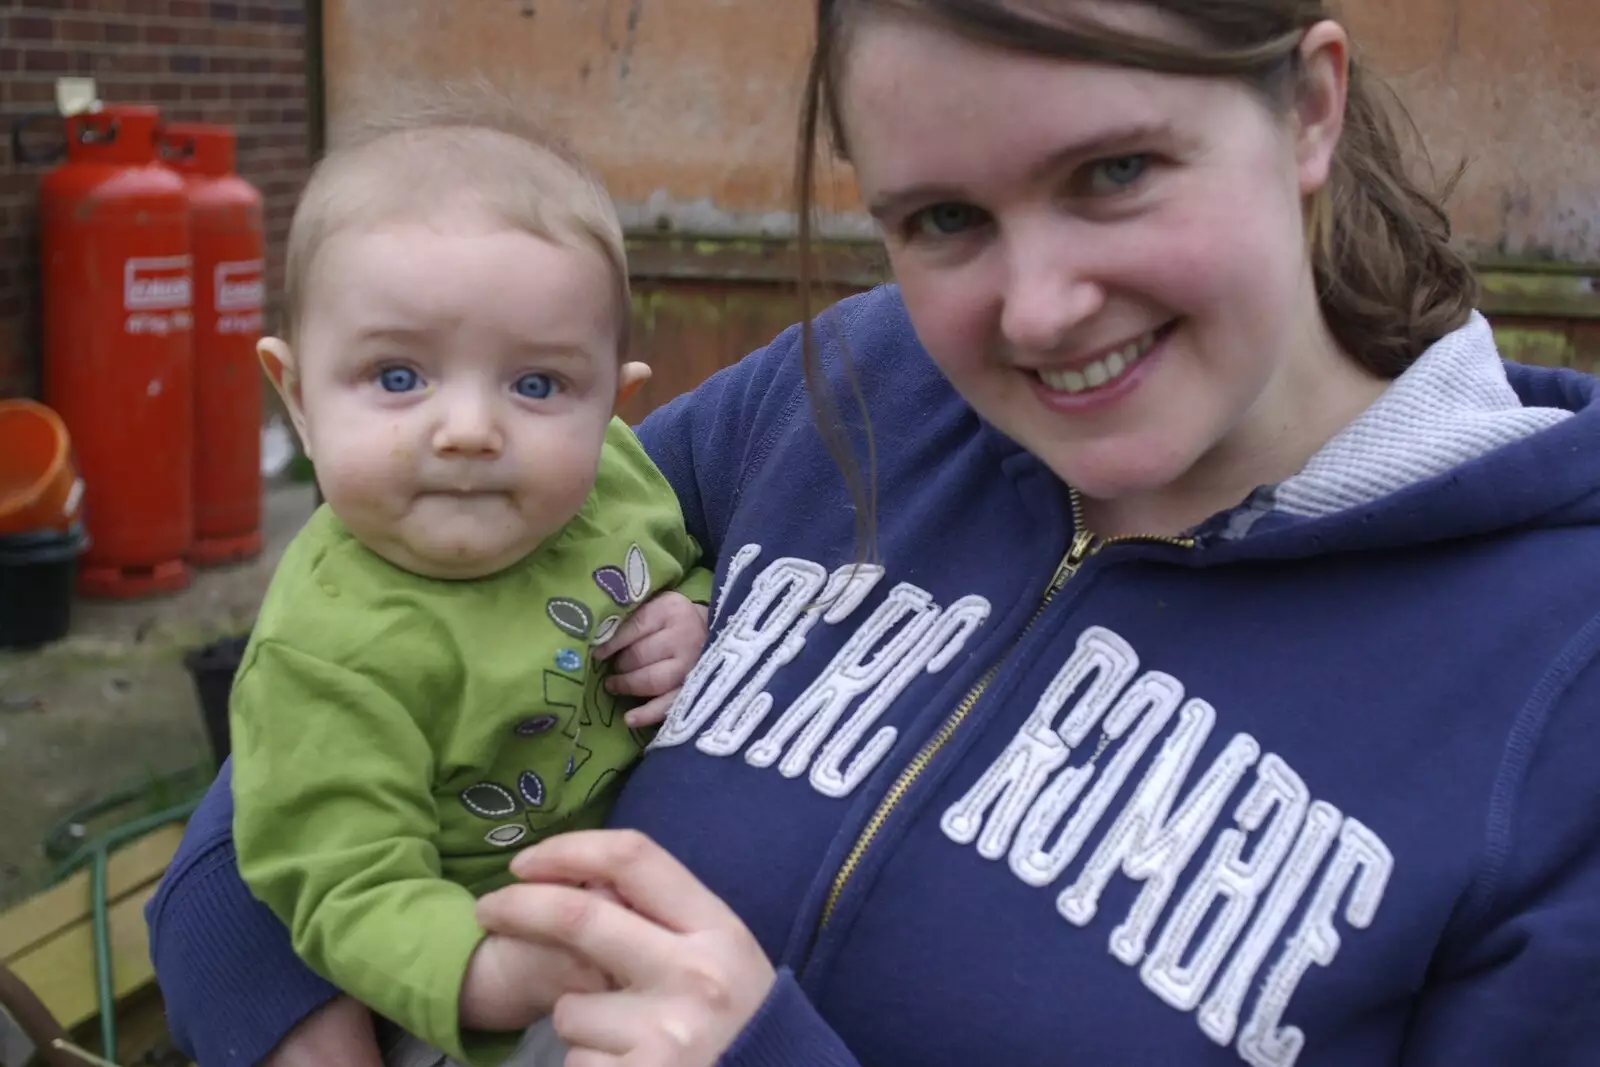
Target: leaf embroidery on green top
<point>570,616</point>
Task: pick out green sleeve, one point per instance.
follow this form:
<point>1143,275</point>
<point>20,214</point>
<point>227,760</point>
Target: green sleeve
<point>335,825</point>
<point>696,585</point>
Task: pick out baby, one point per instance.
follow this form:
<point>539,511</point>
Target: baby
<point>425,690</point>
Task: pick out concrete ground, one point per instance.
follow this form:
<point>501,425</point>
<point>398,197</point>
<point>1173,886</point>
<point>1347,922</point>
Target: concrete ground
<point>111,707</point>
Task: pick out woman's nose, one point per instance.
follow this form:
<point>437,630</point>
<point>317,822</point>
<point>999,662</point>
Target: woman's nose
<point>1050,291</point>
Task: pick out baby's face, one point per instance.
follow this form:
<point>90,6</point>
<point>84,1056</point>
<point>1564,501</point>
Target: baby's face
<point>456,381</point>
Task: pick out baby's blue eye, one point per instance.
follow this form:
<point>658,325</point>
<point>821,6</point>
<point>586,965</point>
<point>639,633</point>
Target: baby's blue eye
<point>535,386</point>
<point>399,379</point>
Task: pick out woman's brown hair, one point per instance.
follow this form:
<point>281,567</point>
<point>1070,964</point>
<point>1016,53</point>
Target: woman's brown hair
<point>1388,281</point>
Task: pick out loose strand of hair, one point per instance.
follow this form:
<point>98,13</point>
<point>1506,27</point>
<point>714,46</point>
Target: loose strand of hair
<point>829,418</point>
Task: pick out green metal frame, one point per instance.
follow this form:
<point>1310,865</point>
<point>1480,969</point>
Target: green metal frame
<point>71,846</point>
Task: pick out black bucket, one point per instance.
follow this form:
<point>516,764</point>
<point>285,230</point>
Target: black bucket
<point>212,668</point>
<point>38,576</point>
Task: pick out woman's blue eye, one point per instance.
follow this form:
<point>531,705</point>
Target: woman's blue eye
<point>944,220</point>
<point>1114,175</point>
<point>535,386</point>
<point>399,379</point>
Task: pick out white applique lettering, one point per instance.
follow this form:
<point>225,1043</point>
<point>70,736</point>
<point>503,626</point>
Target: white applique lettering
<point>847,589</point>
<point>906,635</point>
<point>898,624</point>
<point>1219,1015</point>
<point>996,804</point>
<point>1163,855</point>
<point>736,567</point>
<point>1150,702</point>
<point>1146,828</point>
<point>777,598</point>
<point>743,715</point>
<point>829,774</point>
<point>1228,878</point>
<point>1361,857</point>
<point>1039,808</point>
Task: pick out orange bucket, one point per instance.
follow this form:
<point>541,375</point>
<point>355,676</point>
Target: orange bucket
<point>39,485</point>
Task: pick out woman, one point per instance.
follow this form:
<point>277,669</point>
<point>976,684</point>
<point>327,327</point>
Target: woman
<point>1225,689</point>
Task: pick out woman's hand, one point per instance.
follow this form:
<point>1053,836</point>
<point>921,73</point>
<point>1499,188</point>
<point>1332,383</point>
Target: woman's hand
<point>689,974</point>
<point>512,982</point>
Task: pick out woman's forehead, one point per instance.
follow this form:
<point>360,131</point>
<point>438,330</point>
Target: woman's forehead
<point>893,55</point>
<point>1145,20</point>
<point>916,98</point>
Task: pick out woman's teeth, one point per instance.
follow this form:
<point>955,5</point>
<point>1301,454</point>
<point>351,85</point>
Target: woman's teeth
<point>1102,371</point>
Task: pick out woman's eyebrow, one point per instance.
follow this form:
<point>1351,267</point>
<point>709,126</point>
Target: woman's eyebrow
<point>1100,144</point>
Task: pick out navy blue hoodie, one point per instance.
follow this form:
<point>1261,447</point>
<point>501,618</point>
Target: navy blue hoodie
<point>1318,785</point>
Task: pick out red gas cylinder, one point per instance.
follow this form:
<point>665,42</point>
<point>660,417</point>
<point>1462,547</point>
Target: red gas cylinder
<point>118,358</point>
<point>228,241</point>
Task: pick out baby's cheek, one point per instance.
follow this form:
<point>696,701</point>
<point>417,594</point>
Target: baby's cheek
<point>362,475</point>
<point>568,471</point>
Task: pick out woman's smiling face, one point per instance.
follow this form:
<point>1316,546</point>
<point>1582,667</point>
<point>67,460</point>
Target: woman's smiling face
<point>1110,264</point>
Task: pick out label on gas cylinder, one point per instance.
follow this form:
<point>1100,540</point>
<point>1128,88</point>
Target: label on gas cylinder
<point>239,294</point>
<point>157,283</point>
<point>157,292</point>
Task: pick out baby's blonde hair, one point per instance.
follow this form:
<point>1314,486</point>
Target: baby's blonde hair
<point>424,150</point>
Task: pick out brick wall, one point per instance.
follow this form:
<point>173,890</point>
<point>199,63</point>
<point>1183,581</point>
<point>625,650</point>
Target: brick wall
<point>198,60</point>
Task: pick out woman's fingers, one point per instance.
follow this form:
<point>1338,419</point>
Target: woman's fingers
<point>620,942</point>
<point>692,975</point>
<point>588,1057</point>
<point>613,1023</point>
<point>648,878</point>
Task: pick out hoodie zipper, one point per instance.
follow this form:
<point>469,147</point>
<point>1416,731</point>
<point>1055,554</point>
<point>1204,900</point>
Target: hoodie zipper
<point>1084,544</point>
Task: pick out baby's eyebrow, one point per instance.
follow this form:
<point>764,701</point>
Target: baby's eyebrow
<point>558,351</point>
<point>407,335</point>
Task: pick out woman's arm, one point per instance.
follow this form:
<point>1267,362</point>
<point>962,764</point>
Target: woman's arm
<point>710,440</point>
<point>232,984</point>
<point>787,1032</point>
<point>694,988</point>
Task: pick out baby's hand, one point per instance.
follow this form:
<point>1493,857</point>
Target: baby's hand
<point>654,650</point>
<point>511,984</point>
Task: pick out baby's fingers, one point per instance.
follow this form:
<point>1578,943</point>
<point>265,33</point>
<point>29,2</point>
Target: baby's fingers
<point>651,713</point>
<point>651,680</point>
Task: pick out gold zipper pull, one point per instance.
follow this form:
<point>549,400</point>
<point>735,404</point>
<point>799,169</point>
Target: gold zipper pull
<point>1082,548</point>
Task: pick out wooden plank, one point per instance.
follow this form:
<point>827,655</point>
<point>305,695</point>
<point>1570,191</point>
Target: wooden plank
<point>656,258</point>
<point>43,917</point>
<point>1551,292</point>
<point>61,970</point>
<point>1541,346</point>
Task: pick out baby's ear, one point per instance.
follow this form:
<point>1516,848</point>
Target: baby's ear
<point>277,359</point>
<point>632,376</point>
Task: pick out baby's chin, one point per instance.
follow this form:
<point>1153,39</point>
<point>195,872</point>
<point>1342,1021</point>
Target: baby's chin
<point>455,559</point>
<point>446,542</point>
<point>460,565</point>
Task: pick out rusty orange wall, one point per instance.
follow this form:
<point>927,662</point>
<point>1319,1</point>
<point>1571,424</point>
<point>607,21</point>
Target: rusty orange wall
<point>688,106</point>
<point>1512,88</point>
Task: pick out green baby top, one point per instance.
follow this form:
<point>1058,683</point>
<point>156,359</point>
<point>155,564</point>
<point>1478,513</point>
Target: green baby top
<point>397,738</point>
